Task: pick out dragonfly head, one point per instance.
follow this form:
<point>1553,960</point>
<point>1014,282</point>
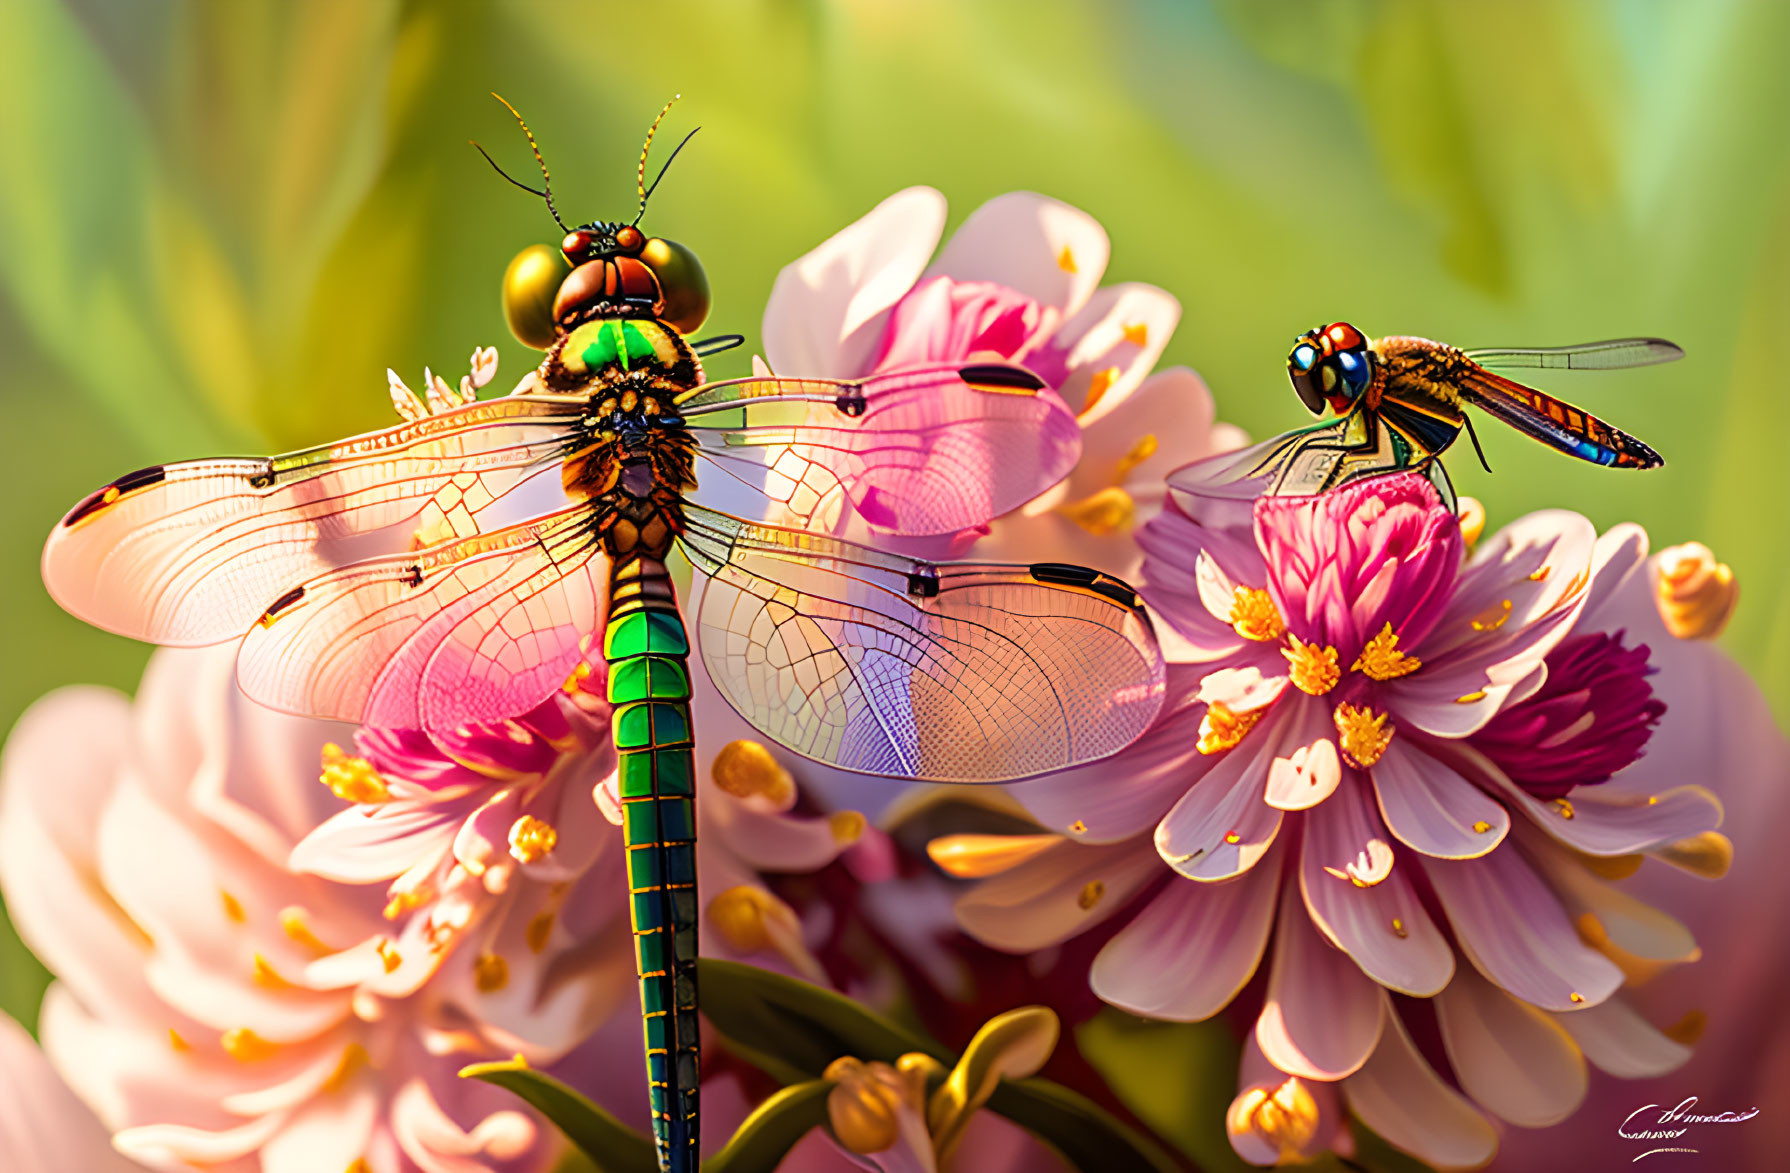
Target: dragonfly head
<point>601,269</point>
<point>1330,367</point>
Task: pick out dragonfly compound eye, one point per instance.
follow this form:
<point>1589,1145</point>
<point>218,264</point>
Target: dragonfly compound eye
<point>683,282</point>
<point>629,240</point>
<point>529,287</point>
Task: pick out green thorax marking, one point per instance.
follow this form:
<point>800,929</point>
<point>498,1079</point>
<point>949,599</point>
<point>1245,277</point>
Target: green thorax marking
<point>628,343</point>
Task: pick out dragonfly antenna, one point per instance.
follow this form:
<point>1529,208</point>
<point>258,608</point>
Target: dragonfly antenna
<point>546,179</point>
<point>640,186</point>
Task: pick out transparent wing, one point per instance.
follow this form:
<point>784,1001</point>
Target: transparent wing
<point>191,553</point>
<point>1610,355</point>
<point>941,672</point>
<point>1556,423</point>
<point>477,629</point>
<point>925,450</point>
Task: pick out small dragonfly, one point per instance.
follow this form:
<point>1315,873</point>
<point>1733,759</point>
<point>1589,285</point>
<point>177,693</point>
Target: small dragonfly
<point>414,577</point>
<point>1400,403</point>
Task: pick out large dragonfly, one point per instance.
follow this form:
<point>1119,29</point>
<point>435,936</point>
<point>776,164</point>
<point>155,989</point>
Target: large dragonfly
<point>413,578</point>
<point>1401,401</point>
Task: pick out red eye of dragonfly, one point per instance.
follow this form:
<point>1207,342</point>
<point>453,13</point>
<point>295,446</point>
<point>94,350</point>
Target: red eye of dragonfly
<point>1343,336</point>
<point>630,239</point>
<point>576,244</point>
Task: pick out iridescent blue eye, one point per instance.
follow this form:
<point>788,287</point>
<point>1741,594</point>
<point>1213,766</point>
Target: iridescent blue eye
<point>1352,365</point>
<point>1304,357</point>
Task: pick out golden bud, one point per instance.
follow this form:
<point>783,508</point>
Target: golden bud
<point>1695,593</point>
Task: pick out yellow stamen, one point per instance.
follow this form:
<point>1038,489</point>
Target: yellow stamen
<point>743,916</point>
<point>1363,734</point>
<point>1381,659</point>
<point>1106,512</point>
<point>1287,1117</point>
<point>1220,728</point>
<point>350,778</point>
<point>403,902</point>
<point>292,923</point>
<point>359,1165</point>
<point>1472,515</point>
<point>1254,615</point>
<point>1066,260</point>
<point>177,1042</point>
<point>267,977</point>
<point>1696,594</point>
<point>1576,997</point>
<point>245,1046</point>
<point>354,1057</point>
<point>1687,1030</point>
<point>1139,452</point>
<point>847,827</point>
<point>388,956</point>
<point>575,682</point>
<point>1492,618</point>
<point>1090,894</point>
<point>746,768</point>
<point>538,931</point>
<point>1078,828</point>
<point>1564,806</point>
<point>1708,855</point>
<point>864,1105</point>
<point>1398,928</point>
<point>1542,574</point>
<point>1101,382</point>
<point>1481,826</point>
<point>1136,333</point>
<point>490,973</point>
<point>532,839</point>
<point>1232,838</point>
<point>970,856</point>
<point>1313,669</point>
<point>1470,697</point>
<point>232,907</point>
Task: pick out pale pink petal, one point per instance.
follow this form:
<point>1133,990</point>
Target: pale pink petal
<point>362,845</point>
<point>1433,809</point>
<point>164,1144</point>
<point>1056,895</point>
<point>434,1141</point>
<point>825,313</point>
<point>1191,949</point>
<point>1045,249</point>
<point>1514,1060</point>
<point>1101,342</point>
<point>1174,548</point>
<point>1307,770</point>
<point>328,1132</point>
<point>1514,931</point>
<point>43,1127</point>
<point>1619,1041</point>
<point>1171,414</point>
<point>1631,924</point>
<point>1383,926</point>
<point>1400,1097</point>
<point>1221,827</point>
<point>1323,1015</point>
<point>1600,820</point>
<point>1516,599</point>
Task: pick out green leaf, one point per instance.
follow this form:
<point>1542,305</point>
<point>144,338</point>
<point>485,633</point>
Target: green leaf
<point>773,1129</point>
<point>792,1030</point>
<point>1084,1132</point>
<point>611,1145</point>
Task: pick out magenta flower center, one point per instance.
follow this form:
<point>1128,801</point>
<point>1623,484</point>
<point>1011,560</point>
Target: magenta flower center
<point>1592,718</point>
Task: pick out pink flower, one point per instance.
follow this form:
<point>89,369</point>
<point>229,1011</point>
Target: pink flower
<point>1327,774</point>
<point>1018,282</point>
<point>215,1006</point>
<point>43,1127</point>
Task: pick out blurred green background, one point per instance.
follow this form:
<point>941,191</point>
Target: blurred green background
<point>220,222</point>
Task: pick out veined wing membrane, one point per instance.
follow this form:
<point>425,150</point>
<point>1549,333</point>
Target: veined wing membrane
<point>1610,355</point>
<point>476,629</point>
<point>1558,424</point>
<point>942,672</point>
<point>918,451</point>
<point>191,553</point>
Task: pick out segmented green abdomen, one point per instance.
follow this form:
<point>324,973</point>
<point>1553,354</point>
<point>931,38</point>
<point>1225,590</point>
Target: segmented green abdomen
<point>649,685</point>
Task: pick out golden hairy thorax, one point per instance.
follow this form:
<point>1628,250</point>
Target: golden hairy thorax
<point>1418,372</point>
<point>639,462</point>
